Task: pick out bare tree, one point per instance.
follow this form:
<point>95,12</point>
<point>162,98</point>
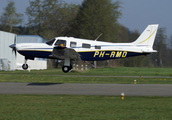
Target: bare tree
<point>160,46</point>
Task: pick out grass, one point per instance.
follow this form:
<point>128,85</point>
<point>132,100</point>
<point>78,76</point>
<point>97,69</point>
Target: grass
<point>119,71</point>
<point>65,107</point>
<point>79,107</point>
<point>51,76</point>
<point>80,79</point>
<point>132,71</point>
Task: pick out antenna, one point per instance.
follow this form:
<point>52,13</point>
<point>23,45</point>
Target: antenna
<point>98,37</point>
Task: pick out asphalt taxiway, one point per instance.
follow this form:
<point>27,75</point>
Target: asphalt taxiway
<point>86,89</point>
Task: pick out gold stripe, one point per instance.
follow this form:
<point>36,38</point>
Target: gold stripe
<point>93,50</point>
<point>109,50</point>
<point>147,38</point>
<point>44,50</point>
<point>87,51</point>
<point>38,50</point>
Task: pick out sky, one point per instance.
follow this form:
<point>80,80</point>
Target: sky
<point>136,14</point>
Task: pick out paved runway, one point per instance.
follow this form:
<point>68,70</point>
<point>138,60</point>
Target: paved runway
<point>86,89</point>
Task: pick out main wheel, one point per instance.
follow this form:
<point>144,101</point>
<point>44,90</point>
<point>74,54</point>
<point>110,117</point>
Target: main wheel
<point>25,66</point>
<point>65,69</point>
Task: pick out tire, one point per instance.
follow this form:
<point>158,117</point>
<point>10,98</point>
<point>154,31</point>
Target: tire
<point>66,69</point>
<point>25,66</point>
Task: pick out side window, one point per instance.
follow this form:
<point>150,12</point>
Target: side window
<point>72,44</point>
<point>60,43</point>
<point>97,47</point>
<point>84,45</point>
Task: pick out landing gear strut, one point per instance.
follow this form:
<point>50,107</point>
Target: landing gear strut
<point>25,65</point>
<point>67,66</point>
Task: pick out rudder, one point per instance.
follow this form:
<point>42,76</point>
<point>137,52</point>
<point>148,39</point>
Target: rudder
<point>147,38</point>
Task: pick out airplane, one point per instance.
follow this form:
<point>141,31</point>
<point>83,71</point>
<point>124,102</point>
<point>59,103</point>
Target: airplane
<point>72,49</point>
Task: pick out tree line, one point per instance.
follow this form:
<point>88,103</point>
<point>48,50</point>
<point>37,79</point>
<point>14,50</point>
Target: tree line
<point>52,18</point>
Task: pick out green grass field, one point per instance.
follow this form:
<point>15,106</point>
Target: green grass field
<point>119,71</point>
<point>66,107</point>
<point>51,76</point>
<point>78,107</point>
<point>80,79</point>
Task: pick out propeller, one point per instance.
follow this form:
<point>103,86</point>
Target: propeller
<point>13,46</point>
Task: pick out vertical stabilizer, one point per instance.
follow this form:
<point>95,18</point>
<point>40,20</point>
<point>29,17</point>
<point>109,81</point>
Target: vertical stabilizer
<point>146,39</point>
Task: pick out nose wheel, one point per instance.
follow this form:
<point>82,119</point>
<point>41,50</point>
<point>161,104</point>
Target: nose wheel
<point>25,65</point>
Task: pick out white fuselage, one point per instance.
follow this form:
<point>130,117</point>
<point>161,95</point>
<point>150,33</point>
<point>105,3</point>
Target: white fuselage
<point>94,50</point>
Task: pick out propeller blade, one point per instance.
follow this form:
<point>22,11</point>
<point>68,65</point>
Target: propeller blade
<point>15,51</point>
<point>15,40</point>
<point>13,46</point>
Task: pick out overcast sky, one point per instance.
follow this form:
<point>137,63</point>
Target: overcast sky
<point>136,14</point>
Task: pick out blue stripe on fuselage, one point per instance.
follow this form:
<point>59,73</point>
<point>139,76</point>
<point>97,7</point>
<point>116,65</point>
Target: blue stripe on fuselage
<point>40,54</point>
<point>85,56</point>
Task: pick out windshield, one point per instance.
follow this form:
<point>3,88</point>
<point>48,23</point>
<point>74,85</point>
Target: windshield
<point>50,42</point>
<point>60,43</point>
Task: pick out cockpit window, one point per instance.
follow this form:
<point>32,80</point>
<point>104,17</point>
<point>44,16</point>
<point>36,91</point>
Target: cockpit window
<point>60,43</point>
<point>50,42</point>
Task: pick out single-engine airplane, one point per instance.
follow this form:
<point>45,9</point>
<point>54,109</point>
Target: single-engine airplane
<point>73,49</point>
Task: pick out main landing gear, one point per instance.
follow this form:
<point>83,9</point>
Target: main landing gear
<point>25,65</point>
<point>66,69</point>
<point>67,66</point>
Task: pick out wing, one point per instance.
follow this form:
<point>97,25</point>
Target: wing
<point>62,53</point>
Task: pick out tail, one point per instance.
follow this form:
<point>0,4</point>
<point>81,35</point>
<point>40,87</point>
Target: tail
<point>147,38</point>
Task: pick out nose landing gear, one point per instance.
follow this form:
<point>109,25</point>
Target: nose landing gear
<point>25,65</point>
